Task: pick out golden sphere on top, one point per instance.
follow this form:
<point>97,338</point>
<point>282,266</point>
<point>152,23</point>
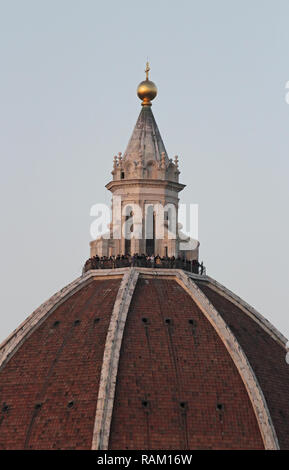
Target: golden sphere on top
<point>147,91</point>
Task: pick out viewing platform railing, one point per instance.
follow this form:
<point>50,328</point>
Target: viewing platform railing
<point>158,263</point>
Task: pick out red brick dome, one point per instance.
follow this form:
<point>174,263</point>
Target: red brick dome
<point>139,358</point>
<point>144,352</point>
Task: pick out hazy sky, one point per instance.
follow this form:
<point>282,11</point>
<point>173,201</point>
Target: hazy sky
<point>69,72</point>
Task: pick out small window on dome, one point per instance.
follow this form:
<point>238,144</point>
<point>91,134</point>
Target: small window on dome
<point>5,408</point>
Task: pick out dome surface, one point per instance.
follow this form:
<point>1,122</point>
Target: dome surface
<point>139,358</point>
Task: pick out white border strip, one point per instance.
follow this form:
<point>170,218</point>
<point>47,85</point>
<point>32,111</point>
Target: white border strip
<point>106,392</point>
<point>246,308</point>
<point>241,362</point>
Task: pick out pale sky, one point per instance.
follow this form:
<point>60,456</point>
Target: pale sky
<point>69,72</point>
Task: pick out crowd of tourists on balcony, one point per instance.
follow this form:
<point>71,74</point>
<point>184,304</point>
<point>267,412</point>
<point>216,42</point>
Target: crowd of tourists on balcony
<point>144,261</point>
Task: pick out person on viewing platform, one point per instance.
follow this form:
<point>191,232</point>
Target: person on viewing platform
<point>143,260</point>
<point>158,260</point>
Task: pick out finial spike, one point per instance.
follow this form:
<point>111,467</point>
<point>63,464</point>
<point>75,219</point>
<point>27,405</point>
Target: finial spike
<point>147,70</point>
